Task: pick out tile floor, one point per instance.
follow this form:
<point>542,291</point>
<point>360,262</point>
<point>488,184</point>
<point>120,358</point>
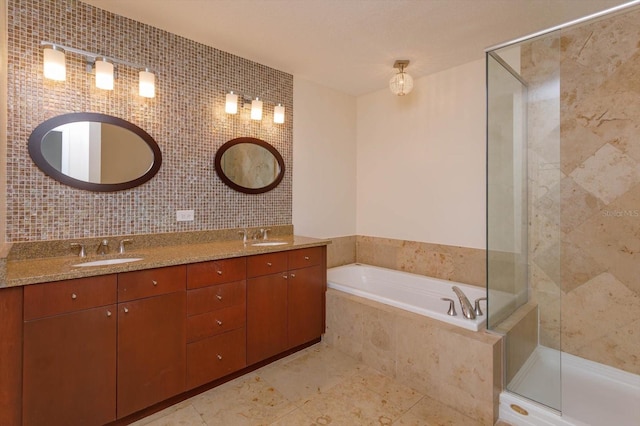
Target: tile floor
<point>316,386</point>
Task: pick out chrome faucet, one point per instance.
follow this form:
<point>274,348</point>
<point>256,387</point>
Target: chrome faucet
<point>467,308</point>
<point>103,247</point>
<point>265,233</point>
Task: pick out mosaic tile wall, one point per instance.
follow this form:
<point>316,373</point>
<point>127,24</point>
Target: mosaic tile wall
<point>186,118</point>
<point>586,213</point>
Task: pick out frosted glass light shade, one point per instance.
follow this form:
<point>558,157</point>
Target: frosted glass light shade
<point>147,84</point>
<point>256,109</point>
<point>278,114</point>
<point>231,103</point>
<point>401,83</point>
<point>104,75</point>
<point>54,65</point>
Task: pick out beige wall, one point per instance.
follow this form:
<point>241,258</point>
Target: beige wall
<point>421,160</point>
<point>324,158</point>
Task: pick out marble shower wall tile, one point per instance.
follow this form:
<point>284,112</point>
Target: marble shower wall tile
<point>461,264</point>
<point>585,220</point>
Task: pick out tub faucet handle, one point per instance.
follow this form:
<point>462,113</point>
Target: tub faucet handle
<point>452,307</point>
<point>477,309</point>
<point>83,252</point>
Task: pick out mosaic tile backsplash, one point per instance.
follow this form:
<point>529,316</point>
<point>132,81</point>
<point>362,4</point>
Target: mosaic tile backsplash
<point>186,118</point>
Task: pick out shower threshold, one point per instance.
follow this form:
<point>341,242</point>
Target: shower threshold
<point>590,393</point>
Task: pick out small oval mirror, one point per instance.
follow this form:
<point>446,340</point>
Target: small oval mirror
<point>249,165</point>
<point>95,152</point>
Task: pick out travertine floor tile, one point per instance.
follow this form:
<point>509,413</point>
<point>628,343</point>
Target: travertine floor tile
<point>429,412</point>
<point>247,400</point>
<point>186,415</point>
<point>316,371</point>
<point>397,394</point>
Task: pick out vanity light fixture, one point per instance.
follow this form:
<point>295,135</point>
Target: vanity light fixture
<point>401,83</point>
<point>256,109</point>
<point>278,114</point>
<point>104,67</point>
<point>231,103</point>
<point>54,64</point>
<point>257,104</point>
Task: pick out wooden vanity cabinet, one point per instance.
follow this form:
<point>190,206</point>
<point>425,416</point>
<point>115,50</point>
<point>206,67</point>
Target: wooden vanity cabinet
<point>69,352</point>
<point>306,295</point>
<point>151,337</point>
<point>216,320</point>
<point>285,308</point>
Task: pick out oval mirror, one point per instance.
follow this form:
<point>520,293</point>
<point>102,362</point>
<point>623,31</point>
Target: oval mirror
<point>95,152</point>
<point>249,165</point>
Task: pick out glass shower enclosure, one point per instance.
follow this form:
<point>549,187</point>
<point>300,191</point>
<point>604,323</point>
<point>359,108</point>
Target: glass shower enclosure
<point>563,215</point>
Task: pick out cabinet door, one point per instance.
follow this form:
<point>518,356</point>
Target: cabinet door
<point>306,305</point>
<point>266,317</point>
<point>151,351</point>
<point>69,375</point>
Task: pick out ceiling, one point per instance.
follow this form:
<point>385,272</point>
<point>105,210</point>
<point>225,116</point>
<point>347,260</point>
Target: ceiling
<point>350,45</point>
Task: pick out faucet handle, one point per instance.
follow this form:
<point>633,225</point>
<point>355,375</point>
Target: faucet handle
<point>265,233</point>
<point>122,243</point>
<point>452,307</point>
<point>477,309</point>
<point>83,252</point>
<point>244,235</point>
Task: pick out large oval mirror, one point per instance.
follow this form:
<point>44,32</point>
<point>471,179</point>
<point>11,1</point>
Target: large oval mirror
<point>95,152</point>
<point>249,165</point>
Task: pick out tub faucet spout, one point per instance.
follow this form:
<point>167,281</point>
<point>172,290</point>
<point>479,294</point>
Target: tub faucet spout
<point>467,308</point>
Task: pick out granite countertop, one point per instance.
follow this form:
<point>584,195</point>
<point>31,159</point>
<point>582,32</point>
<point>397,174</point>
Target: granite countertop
<point>21,272</point>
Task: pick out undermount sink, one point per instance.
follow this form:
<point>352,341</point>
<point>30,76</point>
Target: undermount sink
<point>268,243</point>
<point>106,262</point>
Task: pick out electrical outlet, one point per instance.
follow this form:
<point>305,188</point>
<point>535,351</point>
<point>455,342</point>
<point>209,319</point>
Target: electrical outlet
<point>184,215</point>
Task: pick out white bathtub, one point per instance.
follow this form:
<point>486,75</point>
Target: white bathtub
<point>411,292</point>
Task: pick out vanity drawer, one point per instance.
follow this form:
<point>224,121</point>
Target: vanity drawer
<point>43,300</point>
<point>216,272</point>
<point>215,322</point>
<point>305,257</point>
<point>216,297</point>
<point>265,264</point>
<point>215,357</point>
<point>150,282</point>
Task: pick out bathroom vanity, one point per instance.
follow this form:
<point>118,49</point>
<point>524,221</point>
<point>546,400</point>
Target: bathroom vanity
<point>101,347</point>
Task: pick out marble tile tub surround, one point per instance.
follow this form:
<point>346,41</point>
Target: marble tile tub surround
<point>456,367</point>
<point>186,118</point>
<point>461,264</point>
<point>585,190</point>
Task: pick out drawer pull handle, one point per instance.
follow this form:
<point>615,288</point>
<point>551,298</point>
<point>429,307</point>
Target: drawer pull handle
<point>155,283</point>
<point>219,357</point>
<point>219,322</point>
<point>219,272</point>
<point>306,258</point>
<point>108,313</point>
<point>74,296</point>
<point>218,297</point>
<point>269,264</point>
<point>285,277</point>
<point>293,275</point>
<point>126,310</point>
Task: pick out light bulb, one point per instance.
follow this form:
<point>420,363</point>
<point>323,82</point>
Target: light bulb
<point>147,84</point>
<point>104,74</point>
<point>231,104</point>
<point>256,109</point>
<point>278,114</point>
<point>54,65</point>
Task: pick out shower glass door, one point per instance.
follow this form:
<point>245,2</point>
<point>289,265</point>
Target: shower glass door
<point>523,226</point>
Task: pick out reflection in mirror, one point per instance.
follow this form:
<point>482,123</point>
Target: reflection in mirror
<point>94,152</point>
<point>249,165</point>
